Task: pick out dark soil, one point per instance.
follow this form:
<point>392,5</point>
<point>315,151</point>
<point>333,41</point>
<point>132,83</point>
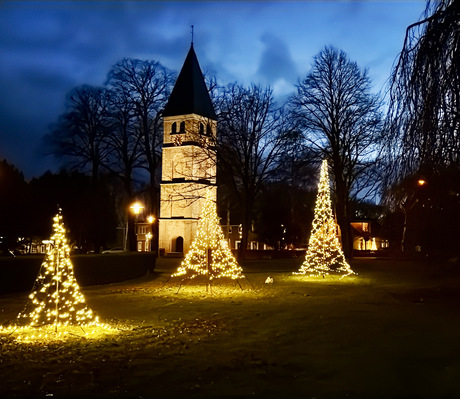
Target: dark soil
<point>392,331</point>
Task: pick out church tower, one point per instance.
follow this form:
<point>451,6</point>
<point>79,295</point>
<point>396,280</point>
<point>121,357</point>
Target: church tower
<point>188,169</point>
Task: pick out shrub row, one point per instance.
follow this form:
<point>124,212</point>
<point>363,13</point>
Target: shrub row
<point>19,274</point>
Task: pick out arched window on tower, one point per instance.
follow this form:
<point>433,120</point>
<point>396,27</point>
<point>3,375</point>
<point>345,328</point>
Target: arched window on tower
<point>201,128</point>
<point>208,130</point>
<point>174,128</point>
<point>182,127</point>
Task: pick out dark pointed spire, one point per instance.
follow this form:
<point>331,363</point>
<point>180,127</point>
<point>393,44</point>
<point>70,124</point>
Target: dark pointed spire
<point>190,95</point>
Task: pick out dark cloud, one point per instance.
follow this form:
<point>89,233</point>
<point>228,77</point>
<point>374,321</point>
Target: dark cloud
<point>276,62</point>
<point>47,48</point>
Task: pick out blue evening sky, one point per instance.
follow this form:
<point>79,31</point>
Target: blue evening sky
<point>47,48</point>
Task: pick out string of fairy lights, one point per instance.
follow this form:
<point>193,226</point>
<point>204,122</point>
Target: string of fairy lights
<point>56,301</point>
<point>324,254</point>
<point>209,254</point>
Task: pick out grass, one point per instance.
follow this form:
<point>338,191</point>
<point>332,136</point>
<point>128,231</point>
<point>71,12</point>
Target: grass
<point>389,332</point>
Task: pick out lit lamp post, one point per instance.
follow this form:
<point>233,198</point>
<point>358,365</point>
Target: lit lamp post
<point>149,236</point>
<point>135,208</point>
<point>405,207</point>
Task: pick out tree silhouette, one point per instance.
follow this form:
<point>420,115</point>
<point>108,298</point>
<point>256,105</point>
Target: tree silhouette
<point>423,118</point>
<point>341,121</point>
<point>422,125</point>
<point>14,207</point>
<point>80,135</point>
<point>250,141</point>
<point>143,87</point>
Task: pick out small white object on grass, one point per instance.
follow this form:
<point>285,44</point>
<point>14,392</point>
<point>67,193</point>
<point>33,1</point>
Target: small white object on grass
<point>269,280</point>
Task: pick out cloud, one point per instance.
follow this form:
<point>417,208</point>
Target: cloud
<point>47,48</point>
<point>276,63</point>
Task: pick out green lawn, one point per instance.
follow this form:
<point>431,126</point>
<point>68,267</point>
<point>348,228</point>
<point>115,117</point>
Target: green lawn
<point>392,331</point>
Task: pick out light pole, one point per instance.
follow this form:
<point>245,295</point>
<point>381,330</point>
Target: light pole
<point>135,210</point>
<point>149,236</point>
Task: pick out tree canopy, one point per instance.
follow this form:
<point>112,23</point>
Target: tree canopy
<point>340,119</point>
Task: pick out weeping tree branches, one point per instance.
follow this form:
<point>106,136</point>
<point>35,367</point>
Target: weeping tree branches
<point>424,119</point>
<point>423,126</point>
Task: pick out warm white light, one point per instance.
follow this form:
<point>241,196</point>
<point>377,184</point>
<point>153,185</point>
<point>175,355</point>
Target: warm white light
<point>136,208</point>
<point>373,245</point>
<point>421,182</point>
<point>56,300</point>
<point>324,254</point>
<point>209,254</point>
<point>150,219</point>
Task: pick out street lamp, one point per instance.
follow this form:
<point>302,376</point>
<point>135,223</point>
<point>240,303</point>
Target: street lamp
<point>421,182</point>
<point>136,208</point>
<point>148,239</point>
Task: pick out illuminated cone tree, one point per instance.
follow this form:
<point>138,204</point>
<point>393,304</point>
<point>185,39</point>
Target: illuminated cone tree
<point>324,253</point>
<point>56,299</point>
<point>209,254</point>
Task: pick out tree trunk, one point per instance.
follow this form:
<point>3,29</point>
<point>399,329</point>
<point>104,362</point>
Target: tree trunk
<point>342,213</point>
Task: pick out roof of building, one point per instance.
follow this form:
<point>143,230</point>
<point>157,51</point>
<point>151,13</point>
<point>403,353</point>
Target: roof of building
<point>190,94</point>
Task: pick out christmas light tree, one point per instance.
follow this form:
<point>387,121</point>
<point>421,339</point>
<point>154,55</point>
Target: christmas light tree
<point>209,254</point>
<point>56,301</point>
<point>324,254</point>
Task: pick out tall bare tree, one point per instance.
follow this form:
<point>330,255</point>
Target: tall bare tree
<point>142,89</point>
<point>250,140</point>
<point>145,86</point>
<point>80,134</point>
<point>341,121</point>
<point>124,140</point>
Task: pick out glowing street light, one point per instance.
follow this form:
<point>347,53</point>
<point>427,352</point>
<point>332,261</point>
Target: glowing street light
<point>136,208</point>
<point>421,182</point>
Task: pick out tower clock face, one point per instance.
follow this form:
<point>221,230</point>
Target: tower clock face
<point>178,140</point>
